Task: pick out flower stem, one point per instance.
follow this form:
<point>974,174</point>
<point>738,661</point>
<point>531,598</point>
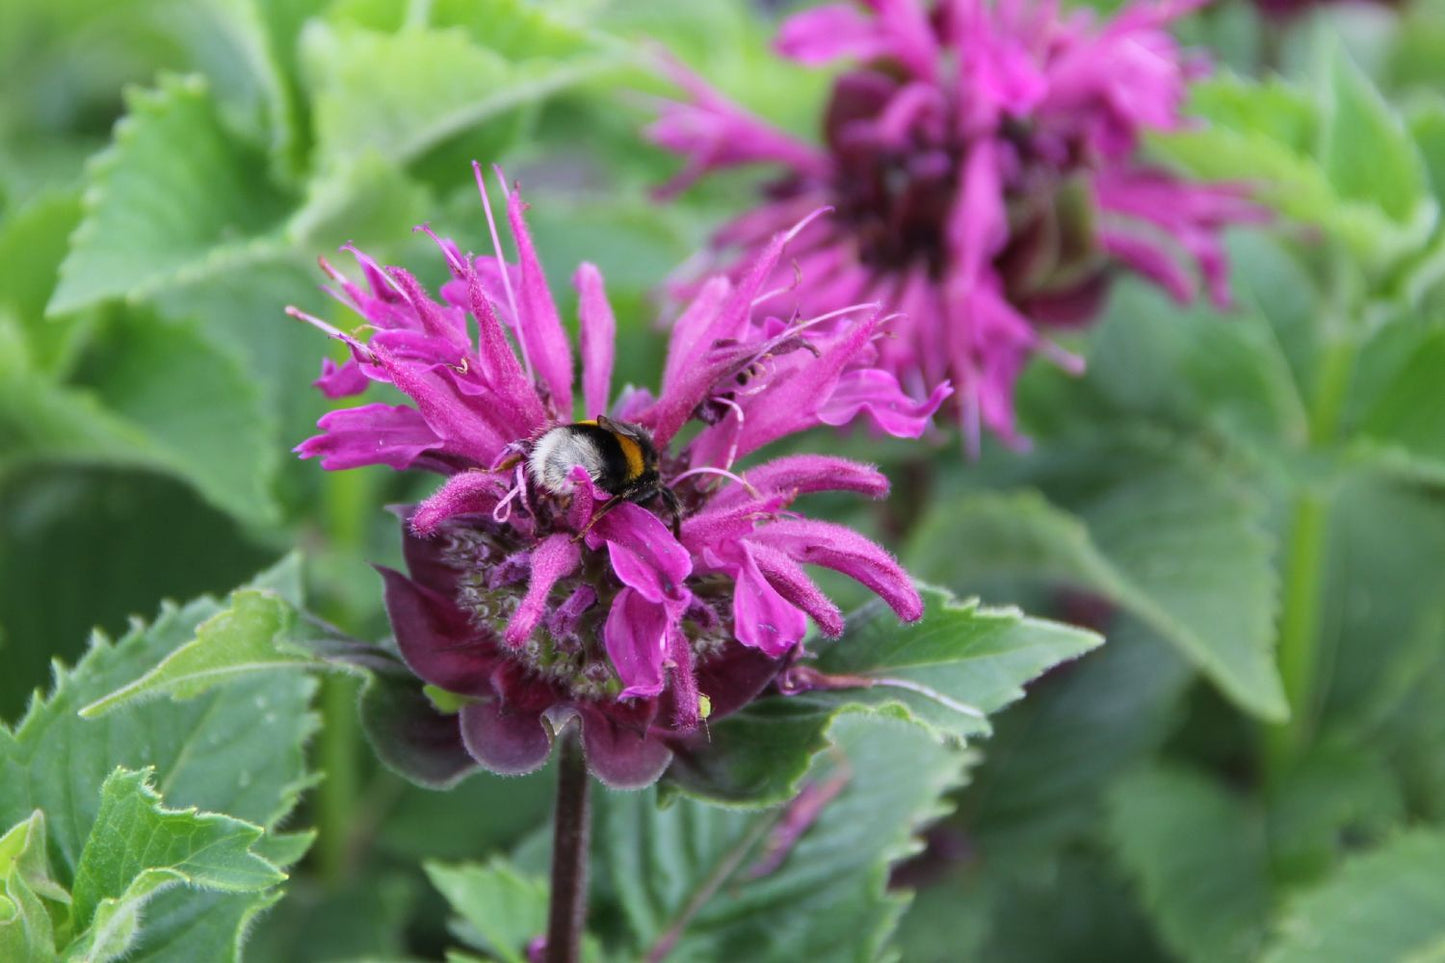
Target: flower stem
<point>567,916</point>
<point>1304,568</point>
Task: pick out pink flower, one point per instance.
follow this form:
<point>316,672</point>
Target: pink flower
<point>543,598</point>
<point>985,165</point>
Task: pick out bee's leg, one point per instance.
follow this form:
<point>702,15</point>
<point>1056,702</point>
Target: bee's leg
<point>669,501</point>
<point>607,506</point>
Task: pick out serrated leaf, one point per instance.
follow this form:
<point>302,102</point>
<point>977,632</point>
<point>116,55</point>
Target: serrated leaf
<point>244,639</point>
<point>1175,544</point>
<point>684,875</point>
<point>1200,857</point>
<point>503,909</point>
<point>946,672</point>
<point>133,404</point>
<point>176,199</point>
<point>452,84</point>
<point>1387,906</point>
<point>137,848</point>
<point>237,750</point>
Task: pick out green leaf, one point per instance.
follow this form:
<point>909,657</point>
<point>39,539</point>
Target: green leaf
<point>955,665</point>
<point>246,638</point>
<point>26,929</point>
<point>1177,544</point>
<point>52,596</point>
<point>136,848</point>
<point>1387,906</point>
<point>1399,419</point>
<point>1336,798</point>
<point>1367,153</point>
<point>1200,858</point>
<point>134,405</point>
<point>451,85</point>
<point>503,908</point>
<point>945,673</point>
<point>237,750</point>
<point>706,880</point>
<point>1319,163</point>
<point>176,199</point>
<point>33,242</point>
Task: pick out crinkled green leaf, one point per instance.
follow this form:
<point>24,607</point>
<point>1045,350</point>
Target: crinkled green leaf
<point>1318,163</point>
<point>1367,153</point>
<point>1198,853</point>
<point>137,847</point>
<point>503,909</point>
<point>707,881</point>
<point>945,673</point>
<point>33,242</point>
<point>1178,546</point>
<point>452,84</point>
<point>175,199</point>
<point>1386,906</point>
<point>237,750</point>
<point>133,403</point>
<point>27,931</point>
<point>243,639</point>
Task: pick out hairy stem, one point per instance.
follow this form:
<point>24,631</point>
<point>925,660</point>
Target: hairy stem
<point>567,915</point>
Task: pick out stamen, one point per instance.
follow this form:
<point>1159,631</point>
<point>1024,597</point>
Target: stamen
<point>797,228</point>
<point>502,263</point>
<point>498,515</point>
<point>709,470</point>
<point>331,331</point>
<point>1062,357</point>
<point>796,283</point>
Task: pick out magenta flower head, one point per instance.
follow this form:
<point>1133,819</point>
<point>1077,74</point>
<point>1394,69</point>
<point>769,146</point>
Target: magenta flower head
<point>605,570</point>
<point>984,162</point>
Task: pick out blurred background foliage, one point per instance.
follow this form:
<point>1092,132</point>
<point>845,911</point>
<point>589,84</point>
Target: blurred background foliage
<point>1248,504</point>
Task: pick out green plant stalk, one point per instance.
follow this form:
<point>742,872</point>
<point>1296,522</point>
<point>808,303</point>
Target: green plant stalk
<point>1304,568</point>
<point>348,503</point>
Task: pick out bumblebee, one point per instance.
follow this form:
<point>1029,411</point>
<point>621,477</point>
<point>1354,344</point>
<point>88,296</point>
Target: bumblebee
<point>620,458</point>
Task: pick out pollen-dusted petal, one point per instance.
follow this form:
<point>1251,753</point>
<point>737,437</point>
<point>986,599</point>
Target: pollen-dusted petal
<point>540,327</point>
<point>436,640</point>
<point>844,550</point>
<point>374,434</point>
<point>644,553</point>
<point>598,330</point>
<point>620,756</point>
<point>466,493</point>
<point>636,636</point>
<point>505,740</point>
<point>554,558</point>
<point>762,618</point>
<point>878,393</point>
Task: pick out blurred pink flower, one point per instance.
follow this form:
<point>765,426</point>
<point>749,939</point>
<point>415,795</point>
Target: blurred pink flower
<point>984,162</point>
<point>543,603</point>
